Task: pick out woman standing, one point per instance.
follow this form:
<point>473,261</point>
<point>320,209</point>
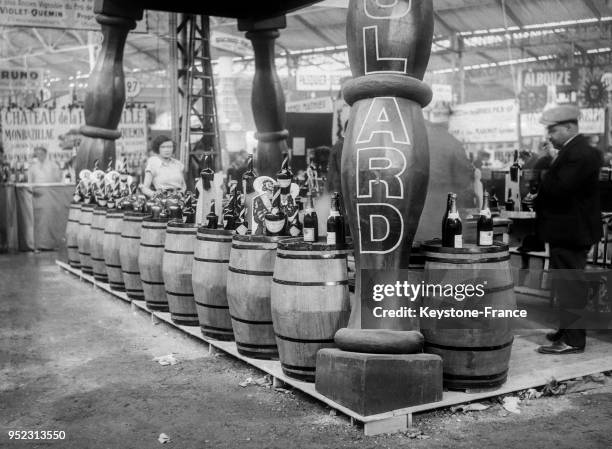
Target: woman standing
<point>163,172</point>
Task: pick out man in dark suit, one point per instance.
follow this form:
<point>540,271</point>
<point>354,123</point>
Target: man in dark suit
<point>569,219</point>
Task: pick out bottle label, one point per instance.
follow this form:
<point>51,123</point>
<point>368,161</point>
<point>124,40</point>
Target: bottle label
<point>459,241</point>
<point>295,231</point>
<point>331,238</point>
<point>486,213</point>
<point>505,238</point>
<point>242,229</point>
<point>309,235</point>
<point>486,238</point>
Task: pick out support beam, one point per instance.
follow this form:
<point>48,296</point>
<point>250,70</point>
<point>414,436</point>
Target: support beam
<point>509,13</point>
<point>314,30</point>
<point>594,9</point>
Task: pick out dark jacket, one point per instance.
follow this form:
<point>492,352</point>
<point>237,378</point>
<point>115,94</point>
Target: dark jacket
<point>568,205</point>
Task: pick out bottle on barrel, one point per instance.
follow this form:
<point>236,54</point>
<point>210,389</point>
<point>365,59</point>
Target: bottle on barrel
<point>445,216</point>
<point>493,201</point>
<point>295,226</point>
<point>242,226</point>
<point>175,213</point>
<point>484,227</point>
<point>275,220</point>
<point>514,168</point>
<point>248,191</point>
<point>212,218</point>
<point>311,221</point>
<point>509,201</point>
<point>335,223</point>
<point>189,212</point>
<point>230,214</point>
<point>452,230</point>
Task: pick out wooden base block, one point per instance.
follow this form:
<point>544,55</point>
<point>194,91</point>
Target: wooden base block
<point>376,383</point>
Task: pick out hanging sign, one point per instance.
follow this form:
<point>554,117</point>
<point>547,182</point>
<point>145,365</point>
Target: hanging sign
<point>132,87</point>
<point>485,121</point>
<point>233,44</point>
<point>313,105</point>
<point>20,78</point>
<point>24,129</point>
<point>66,14</point>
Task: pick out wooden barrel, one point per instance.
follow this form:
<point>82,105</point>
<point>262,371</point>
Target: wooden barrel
<point>249,281</point>
<point>97,244</point>
<point>176,270</point>
<point>475,350</point>
<point>150,257</point>
<point>83,238</point>
<point>128,254</point>
<point>210,261</point>
<point>72,232</point>
<point>309,302</point>
<point>110,248</point>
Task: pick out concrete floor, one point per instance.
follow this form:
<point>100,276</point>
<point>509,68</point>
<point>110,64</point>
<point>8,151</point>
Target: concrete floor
<point>76,359</point>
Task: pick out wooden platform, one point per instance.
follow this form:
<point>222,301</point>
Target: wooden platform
<point>528,369</point>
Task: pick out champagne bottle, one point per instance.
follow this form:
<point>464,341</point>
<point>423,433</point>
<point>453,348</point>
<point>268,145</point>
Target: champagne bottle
<point>335,223</point>
<point>212,217</point>
<point>493,201</point>
<point>311,221</point>
<point>452,232</point>
<point>175,213</point>
<point>230,212</point>
<point>207,175</point>
<point>295,227</point>
<point>276,220</point>
<point>484,226</point>
<point>445,216</point>
<point>242,225</point>
<point>510,201</point>
<point>514,168</point>
<point>284,176</point>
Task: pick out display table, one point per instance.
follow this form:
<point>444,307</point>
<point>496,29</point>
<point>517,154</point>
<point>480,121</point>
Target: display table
<point>33,216</point>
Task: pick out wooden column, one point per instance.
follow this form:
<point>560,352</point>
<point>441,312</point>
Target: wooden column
<point>385,158</point>
<point>106,91</point>
<point>267,98</point>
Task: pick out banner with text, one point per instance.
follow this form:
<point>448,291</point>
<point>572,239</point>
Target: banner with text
<point>24,129</point>
<point>485,121</point>
<point>62,14</point>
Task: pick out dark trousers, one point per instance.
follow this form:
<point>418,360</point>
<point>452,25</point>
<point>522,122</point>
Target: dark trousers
<point>570,288</point>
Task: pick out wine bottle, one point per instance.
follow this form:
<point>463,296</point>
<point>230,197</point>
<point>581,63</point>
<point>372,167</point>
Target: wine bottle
<point>230,212</point>
<point>207,175</point>
<point>242,225</point>
<point>510,201</point>
<point>335,223</point>
<point>484,227</point>
<point>295,226</point>
<point>212,217</point>
<point>284,176</point>
<point>445,216</point>
<point>275,220</point>
<point>493,201</point>
<point>514,168</point>
<point>452,232</point>
<point>175,213</point>
<point>311,221</point>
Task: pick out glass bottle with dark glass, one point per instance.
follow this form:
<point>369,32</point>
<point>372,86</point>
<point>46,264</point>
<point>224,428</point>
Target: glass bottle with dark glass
<point>275,220</point>
<point>230,213</point>
<point>452,230</point>
<point>335,223</point>
<point>447,211</point>
<point>212,218</point>
<point>207,175</point>
<point>242,227</point>
<point>484,227</point>
<point>311,221</point>
<point>514,168</point>
<point>509,201</point>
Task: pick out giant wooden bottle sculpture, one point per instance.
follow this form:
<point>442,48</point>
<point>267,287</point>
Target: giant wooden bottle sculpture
<point>106,91</point>
<point>385,158</point>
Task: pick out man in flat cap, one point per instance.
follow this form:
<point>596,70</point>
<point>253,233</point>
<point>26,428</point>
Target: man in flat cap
<point>569,219</point>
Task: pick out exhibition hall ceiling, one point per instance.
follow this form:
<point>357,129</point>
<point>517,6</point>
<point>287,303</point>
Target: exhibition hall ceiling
<point>490,33</point>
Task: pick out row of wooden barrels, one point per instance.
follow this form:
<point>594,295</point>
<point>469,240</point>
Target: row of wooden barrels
<point>279,297</point>
<point>230,285</point>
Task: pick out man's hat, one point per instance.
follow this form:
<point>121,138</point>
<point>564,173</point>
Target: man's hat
<point>560,114</point>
